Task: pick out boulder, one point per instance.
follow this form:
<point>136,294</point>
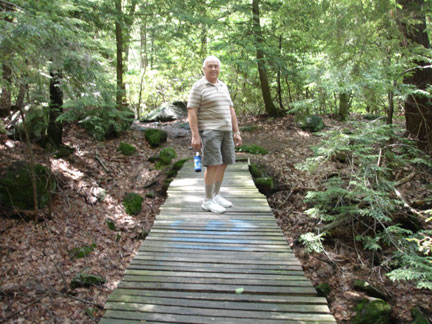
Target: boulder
<point>16,189</point>
<point>167,112</point>
<point>126,149</point>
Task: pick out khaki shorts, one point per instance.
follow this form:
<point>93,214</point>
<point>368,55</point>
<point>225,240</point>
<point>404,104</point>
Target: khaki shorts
<point>218,147</point>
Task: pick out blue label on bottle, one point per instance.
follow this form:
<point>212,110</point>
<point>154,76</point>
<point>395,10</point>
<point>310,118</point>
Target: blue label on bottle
<point>197,163</point>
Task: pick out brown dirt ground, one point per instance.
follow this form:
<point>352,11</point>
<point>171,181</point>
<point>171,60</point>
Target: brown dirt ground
<point>36,266</point>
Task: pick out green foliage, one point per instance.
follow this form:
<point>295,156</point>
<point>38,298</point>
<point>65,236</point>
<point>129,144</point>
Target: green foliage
<point>310,123</point>
<point>132,203</point>
<point>16,189</point>
<point>256,170</point>
<point>126,149</point>
<point>252,148</point>
<point>166,155</point>
<point>86,280</point>
<point>175,168</point>
<point>36,124</point>
<point>155,137</point>
<point>365,196</point>
<point>372,312</point>
<point>82,252</point>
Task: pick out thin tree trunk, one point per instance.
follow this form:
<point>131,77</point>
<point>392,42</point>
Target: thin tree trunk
<point>55,129</point>
<point>6,97</point>
<point>119,46</point>
<point>268,102</point>
<point>418,108</point>
<point>279,77</point>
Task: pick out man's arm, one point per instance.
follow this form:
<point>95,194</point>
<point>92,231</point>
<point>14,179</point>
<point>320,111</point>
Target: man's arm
<point>193,123</point>
<point>235,128</point>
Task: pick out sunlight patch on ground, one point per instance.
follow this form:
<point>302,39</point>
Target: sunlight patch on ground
<point>303,133</point>
<point>66,169</point>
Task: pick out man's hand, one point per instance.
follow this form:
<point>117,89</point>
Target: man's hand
<point>196,143</point>
<point>237,139</point>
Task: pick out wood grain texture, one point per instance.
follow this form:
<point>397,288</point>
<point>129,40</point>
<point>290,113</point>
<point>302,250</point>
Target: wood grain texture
<point>199,267</point>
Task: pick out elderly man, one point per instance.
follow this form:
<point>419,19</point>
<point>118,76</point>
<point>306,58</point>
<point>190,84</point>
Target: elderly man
<point>214,128</point>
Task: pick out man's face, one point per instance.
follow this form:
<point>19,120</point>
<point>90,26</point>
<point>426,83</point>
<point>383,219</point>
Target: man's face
<point>211,70</point>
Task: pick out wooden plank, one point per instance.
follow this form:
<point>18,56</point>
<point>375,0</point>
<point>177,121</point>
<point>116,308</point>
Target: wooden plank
<point>207,267</point>
<point>216,312</point>
<point>263,258</point>
<point>249,298</point>
<point>164,246</point>
<point>212,239</point>
<point>243,276</point>
<point>243,260</point>
<point>217,318</point>
<point>227,288</point>
<point>233,305</point>
<point>216,232</point>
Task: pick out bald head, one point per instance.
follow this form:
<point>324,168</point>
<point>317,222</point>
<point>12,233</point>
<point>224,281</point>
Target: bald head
<point>211,58</point>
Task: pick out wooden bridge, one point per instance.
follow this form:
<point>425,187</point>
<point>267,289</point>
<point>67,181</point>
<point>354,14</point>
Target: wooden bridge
<point>198,267</point>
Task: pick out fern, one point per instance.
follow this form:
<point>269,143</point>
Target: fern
<point>364,197</point>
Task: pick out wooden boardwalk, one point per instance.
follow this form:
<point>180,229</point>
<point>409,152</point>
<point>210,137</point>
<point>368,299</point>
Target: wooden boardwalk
<point>198,267</point>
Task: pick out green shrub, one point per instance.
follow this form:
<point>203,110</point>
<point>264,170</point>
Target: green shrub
<point>126,149</point>
<point>365,198</point>
<point>100,122</point>
<point>132,202</point>
<point>252,148</point>
<point>155,137</point>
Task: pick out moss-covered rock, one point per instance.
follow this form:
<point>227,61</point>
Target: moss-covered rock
<point>166,155</point>
<point>251,148</point>
<point>132,202</point>
<point>16,189</point>
<point>371,291</point>
<point>372,312</point>
<point>256,170</point>
<point>310,123</point>
<point>86,280</point>
<point>3,130</point>
<point>176,167</point>
<point>419,317</point>
<point>323,290</point>
<point>126,149</point>
<point>264,185</point>
<point>155,137</point>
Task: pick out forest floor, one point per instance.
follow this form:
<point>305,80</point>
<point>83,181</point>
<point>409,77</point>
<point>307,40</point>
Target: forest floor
<point>37,266</point>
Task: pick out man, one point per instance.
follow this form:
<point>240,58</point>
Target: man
<point>214,128</point>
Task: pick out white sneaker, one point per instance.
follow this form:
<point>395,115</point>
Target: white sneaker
<point>211,206</point>
<point>221,201</point>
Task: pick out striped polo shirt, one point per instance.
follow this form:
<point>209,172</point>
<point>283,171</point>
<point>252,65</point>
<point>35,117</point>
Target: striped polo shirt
<point>213,103</point>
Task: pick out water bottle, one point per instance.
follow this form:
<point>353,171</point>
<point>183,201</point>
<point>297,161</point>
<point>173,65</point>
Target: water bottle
<point>197,162</point>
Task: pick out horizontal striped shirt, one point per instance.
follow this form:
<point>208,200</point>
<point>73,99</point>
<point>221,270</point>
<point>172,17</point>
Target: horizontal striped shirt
<point>213,103</point>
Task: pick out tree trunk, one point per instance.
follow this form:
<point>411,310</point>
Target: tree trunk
<point>120,93</point>
<point>6,97</point>
<point>418,108</point>
<point>268,102</point>
<point>390,110</point>
<point>344,104</point>
<point>279,77</point>
<point>55,129</point>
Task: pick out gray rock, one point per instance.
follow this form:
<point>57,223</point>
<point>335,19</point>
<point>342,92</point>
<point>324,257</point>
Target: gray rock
<point>166,112</point>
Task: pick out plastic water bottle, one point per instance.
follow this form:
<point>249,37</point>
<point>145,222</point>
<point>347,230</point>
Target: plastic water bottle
<point>197,162</point>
